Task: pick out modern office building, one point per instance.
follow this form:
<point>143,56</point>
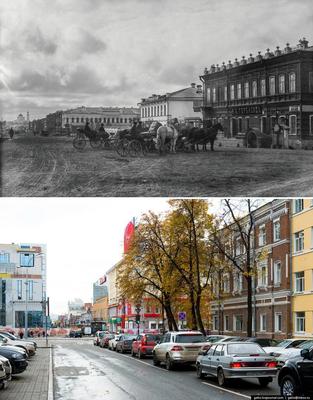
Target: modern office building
<point>99,291</point>
<point>22,284</point>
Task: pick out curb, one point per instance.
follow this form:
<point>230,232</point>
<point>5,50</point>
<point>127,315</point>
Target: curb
<point>50,378</point>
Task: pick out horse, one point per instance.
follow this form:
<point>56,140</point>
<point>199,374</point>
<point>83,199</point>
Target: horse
<point>166,132</point>
<point>196,136</point>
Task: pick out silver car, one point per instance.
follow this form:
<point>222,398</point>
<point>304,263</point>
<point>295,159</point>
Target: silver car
<point>178,348</point>
<point>236,360</point>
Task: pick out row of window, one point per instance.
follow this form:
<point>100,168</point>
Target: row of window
<point>153,111</point>
<point>238,125</point>
<point>105,120</point>
<point>237,323</point>
<point>298,204</point>
<point>26,259</point>
<point>276,85</point>
<point>29,290</point>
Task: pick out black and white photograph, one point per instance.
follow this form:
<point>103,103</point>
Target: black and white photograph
<point>156,98</point>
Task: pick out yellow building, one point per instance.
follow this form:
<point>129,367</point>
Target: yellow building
<point>302,267</point>
<point>100,309</point>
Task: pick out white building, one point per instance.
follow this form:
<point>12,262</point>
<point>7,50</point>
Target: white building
<point>22,284</point>
<point>179,104</point>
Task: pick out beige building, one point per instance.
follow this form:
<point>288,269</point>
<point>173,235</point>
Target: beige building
<point>99,309</point>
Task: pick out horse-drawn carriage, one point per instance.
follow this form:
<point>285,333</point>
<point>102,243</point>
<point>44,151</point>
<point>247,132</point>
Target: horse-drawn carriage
<point>96,139</point>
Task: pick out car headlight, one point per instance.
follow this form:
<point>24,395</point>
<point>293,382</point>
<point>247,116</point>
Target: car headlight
<point>16,356</point>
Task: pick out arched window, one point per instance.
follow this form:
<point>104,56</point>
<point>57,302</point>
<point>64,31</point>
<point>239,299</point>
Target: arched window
<point>238,90</point>
<point>282,84</point>
<point>272,85</point>
<point>293,124</point>
<point>247,89</point>
<point>232,92</point>
<point>263,87</point>
<point>225,93</point>
<point>292,82</point>
<point>254,89</point>
<point>208,95</point>
<point>214,95</point>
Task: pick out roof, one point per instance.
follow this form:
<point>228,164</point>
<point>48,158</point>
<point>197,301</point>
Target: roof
<point>189,93</point>
<point>101,110</point>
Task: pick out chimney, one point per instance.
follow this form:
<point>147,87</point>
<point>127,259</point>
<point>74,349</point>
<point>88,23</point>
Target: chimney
<point>193,85</point>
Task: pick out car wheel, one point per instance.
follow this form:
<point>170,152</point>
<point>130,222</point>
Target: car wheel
<point>169,363</point>
<point>288,386</point>
<point>264,381</point>
<point>140,355</point>
<point>200,374</point>
<point>220,377</point>
<point>122,351</point>
<point>155,361</point>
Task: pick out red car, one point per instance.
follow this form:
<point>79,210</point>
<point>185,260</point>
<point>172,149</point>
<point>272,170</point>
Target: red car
<point>144,344</point>
<point>104,341</point>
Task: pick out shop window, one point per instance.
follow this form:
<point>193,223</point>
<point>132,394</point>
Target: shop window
<point>293,124</point>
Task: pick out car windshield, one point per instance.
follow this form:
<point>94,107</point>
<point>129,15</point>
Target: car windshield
<point>245,348</point>
<point>190,338</point>
<point>305,345</point>
<point>152,338</point>
<point>129,337</point>
<point>214,339</point>
<point>284,343</point>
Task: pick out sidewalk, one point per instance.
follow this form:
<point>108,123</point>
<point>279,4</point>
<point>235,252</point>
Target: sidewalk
<point>33,383</point>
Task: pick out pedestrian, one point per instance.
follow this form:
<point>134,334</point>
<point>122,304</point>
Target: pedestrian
<point>21,334</point>
<point>11,133</point>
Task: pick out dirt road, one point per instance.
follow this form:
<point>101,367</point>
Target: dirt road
<point>50,166</point>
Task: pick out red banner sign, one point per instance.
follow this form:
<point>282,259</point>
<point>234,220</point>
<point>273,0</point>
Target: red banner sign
<point>128,236</point>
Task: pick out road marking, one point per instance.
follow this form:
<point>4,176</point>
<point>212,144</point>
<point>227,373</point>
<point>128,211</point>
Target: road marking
<point>226,390</point>
<point>134,358</point>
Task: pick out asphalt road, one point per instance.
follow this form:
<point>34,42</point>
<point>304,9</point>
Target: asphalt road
<point>82,369</point>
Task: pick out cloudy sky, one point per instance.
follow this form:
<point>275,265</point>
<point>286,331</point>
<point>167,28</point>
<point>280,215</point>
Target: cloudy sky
<point>59,54</point>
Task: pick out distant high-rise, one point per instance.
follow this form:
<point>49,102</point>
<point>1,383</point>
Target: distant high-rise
<point>99,291</point>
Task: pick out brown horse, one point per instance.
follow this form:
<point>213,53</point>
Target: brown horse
<point>166,132</point>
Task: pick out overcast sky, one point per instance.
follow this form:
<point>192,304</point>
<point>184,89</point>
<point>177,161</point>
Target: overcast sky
<point>59,54</point>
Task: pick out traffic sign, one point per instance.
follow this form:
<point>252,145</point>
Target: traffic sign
<point>182,315</point>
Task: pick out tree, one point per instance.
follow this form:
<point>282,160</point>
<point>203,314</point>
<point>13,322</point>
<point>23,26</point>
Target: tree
<point>236,233</point>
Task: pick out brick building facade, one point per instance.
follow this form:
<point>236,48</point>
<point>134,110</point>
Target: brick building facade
<point>270,94</point>
<point>271,286</point>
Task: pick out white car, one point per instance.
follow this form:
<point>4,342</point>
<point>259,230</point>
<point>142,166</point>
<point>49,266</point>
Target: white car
<point>7,367</point>
<point>180,347</point>
<point>112,342</point>
<point>284,346</point>
<point>3,376</point>
<point>29,347</point>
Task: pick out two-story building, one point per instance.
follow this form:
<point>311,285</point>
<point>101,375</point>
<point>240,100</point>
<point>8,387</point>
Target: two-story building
<point>270,93</point>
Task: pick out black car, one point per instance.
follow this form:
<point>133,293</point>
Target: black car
<point>76,334</point>
<point>17,358</point>
<point>295,377</point>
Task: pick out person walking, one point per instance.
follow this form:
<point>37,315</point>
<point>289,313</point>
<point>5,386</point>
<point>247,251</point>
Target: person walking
<point>11,133</point>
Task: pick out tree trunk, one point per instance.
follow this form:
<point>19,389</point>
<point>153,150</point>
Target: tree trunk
<point>194,325</point>
<point>172,324</point>
<point>250,311</point>
<point>198,314</point>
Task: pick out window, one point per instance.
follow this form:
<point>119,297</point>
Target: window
<point>214,95</point>
<point>292,82</point>
<point>237,282</point>
<point>219,351</point>
<point>73,120</point>
<point>276,230</point>
<point>262,235</point>
<point>299,277</point>
<point>27,259</point>
<point>239,124</point>
<point>298,205</point>
<point>232,92</point>
<point>215,322</point>
<point>262,275</point>
<point>311,124</point>
<point>4,258</point>
<point>293,124</point>
<point>67,120</point>
<point>300,322</point>
<point>82,120</point>
<point>238,322</point>
<point>263,322</point>
<point>19,289</point>
<point>226,323</point>
<point>263,124</point>
<point>281,81</point>
<point>226,283</point>
<point>238,90</point>
<point>299,241</point>
<point>247,94</point>
<point>77,120</point>
<point>272,85</point>
<point>158,110</point>
<point>238,247</point>
<point>263,87</point>
<point>225,93</point>
<point>30,290</point>
<point>208,95</point>
<point>278,322</point>
<point>277,273</point>
<point>164,109</point>
<point>254,89</point>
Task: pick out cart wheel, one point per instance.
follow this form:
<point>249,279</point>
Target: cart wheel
<point>95,142</point>
<point>106,144</point>
<point>79,143</point>
<point>122,148</point>
<point>135,148</point>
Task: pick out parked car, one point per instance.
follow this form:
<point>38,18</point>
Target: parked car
<point>143,344</point>
<point>104,341</point>
<point>263,342</point>
<point>98,336</point>
<point>7,367</point>
<point>13,337</point>
<point>178,348</point>
<point>236,360</point>
<point>284,344</point>
<point>3,378</point>
<point>75,334</point>
<point>124,343</point>
<point>285,354</point>
<point>16,356</point>
<point>296,375</point>
<point>113,341</point>
<point>28,347</point>
<point>215,338</point>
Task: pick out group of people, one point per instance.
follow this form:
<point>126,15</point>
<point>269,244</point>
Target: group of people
<point>32,334</point>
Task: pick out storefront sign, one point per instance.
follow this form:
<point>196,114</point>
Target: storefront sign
<point>307,108</point>
<point>246,110</point>
<point>294,108</point>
